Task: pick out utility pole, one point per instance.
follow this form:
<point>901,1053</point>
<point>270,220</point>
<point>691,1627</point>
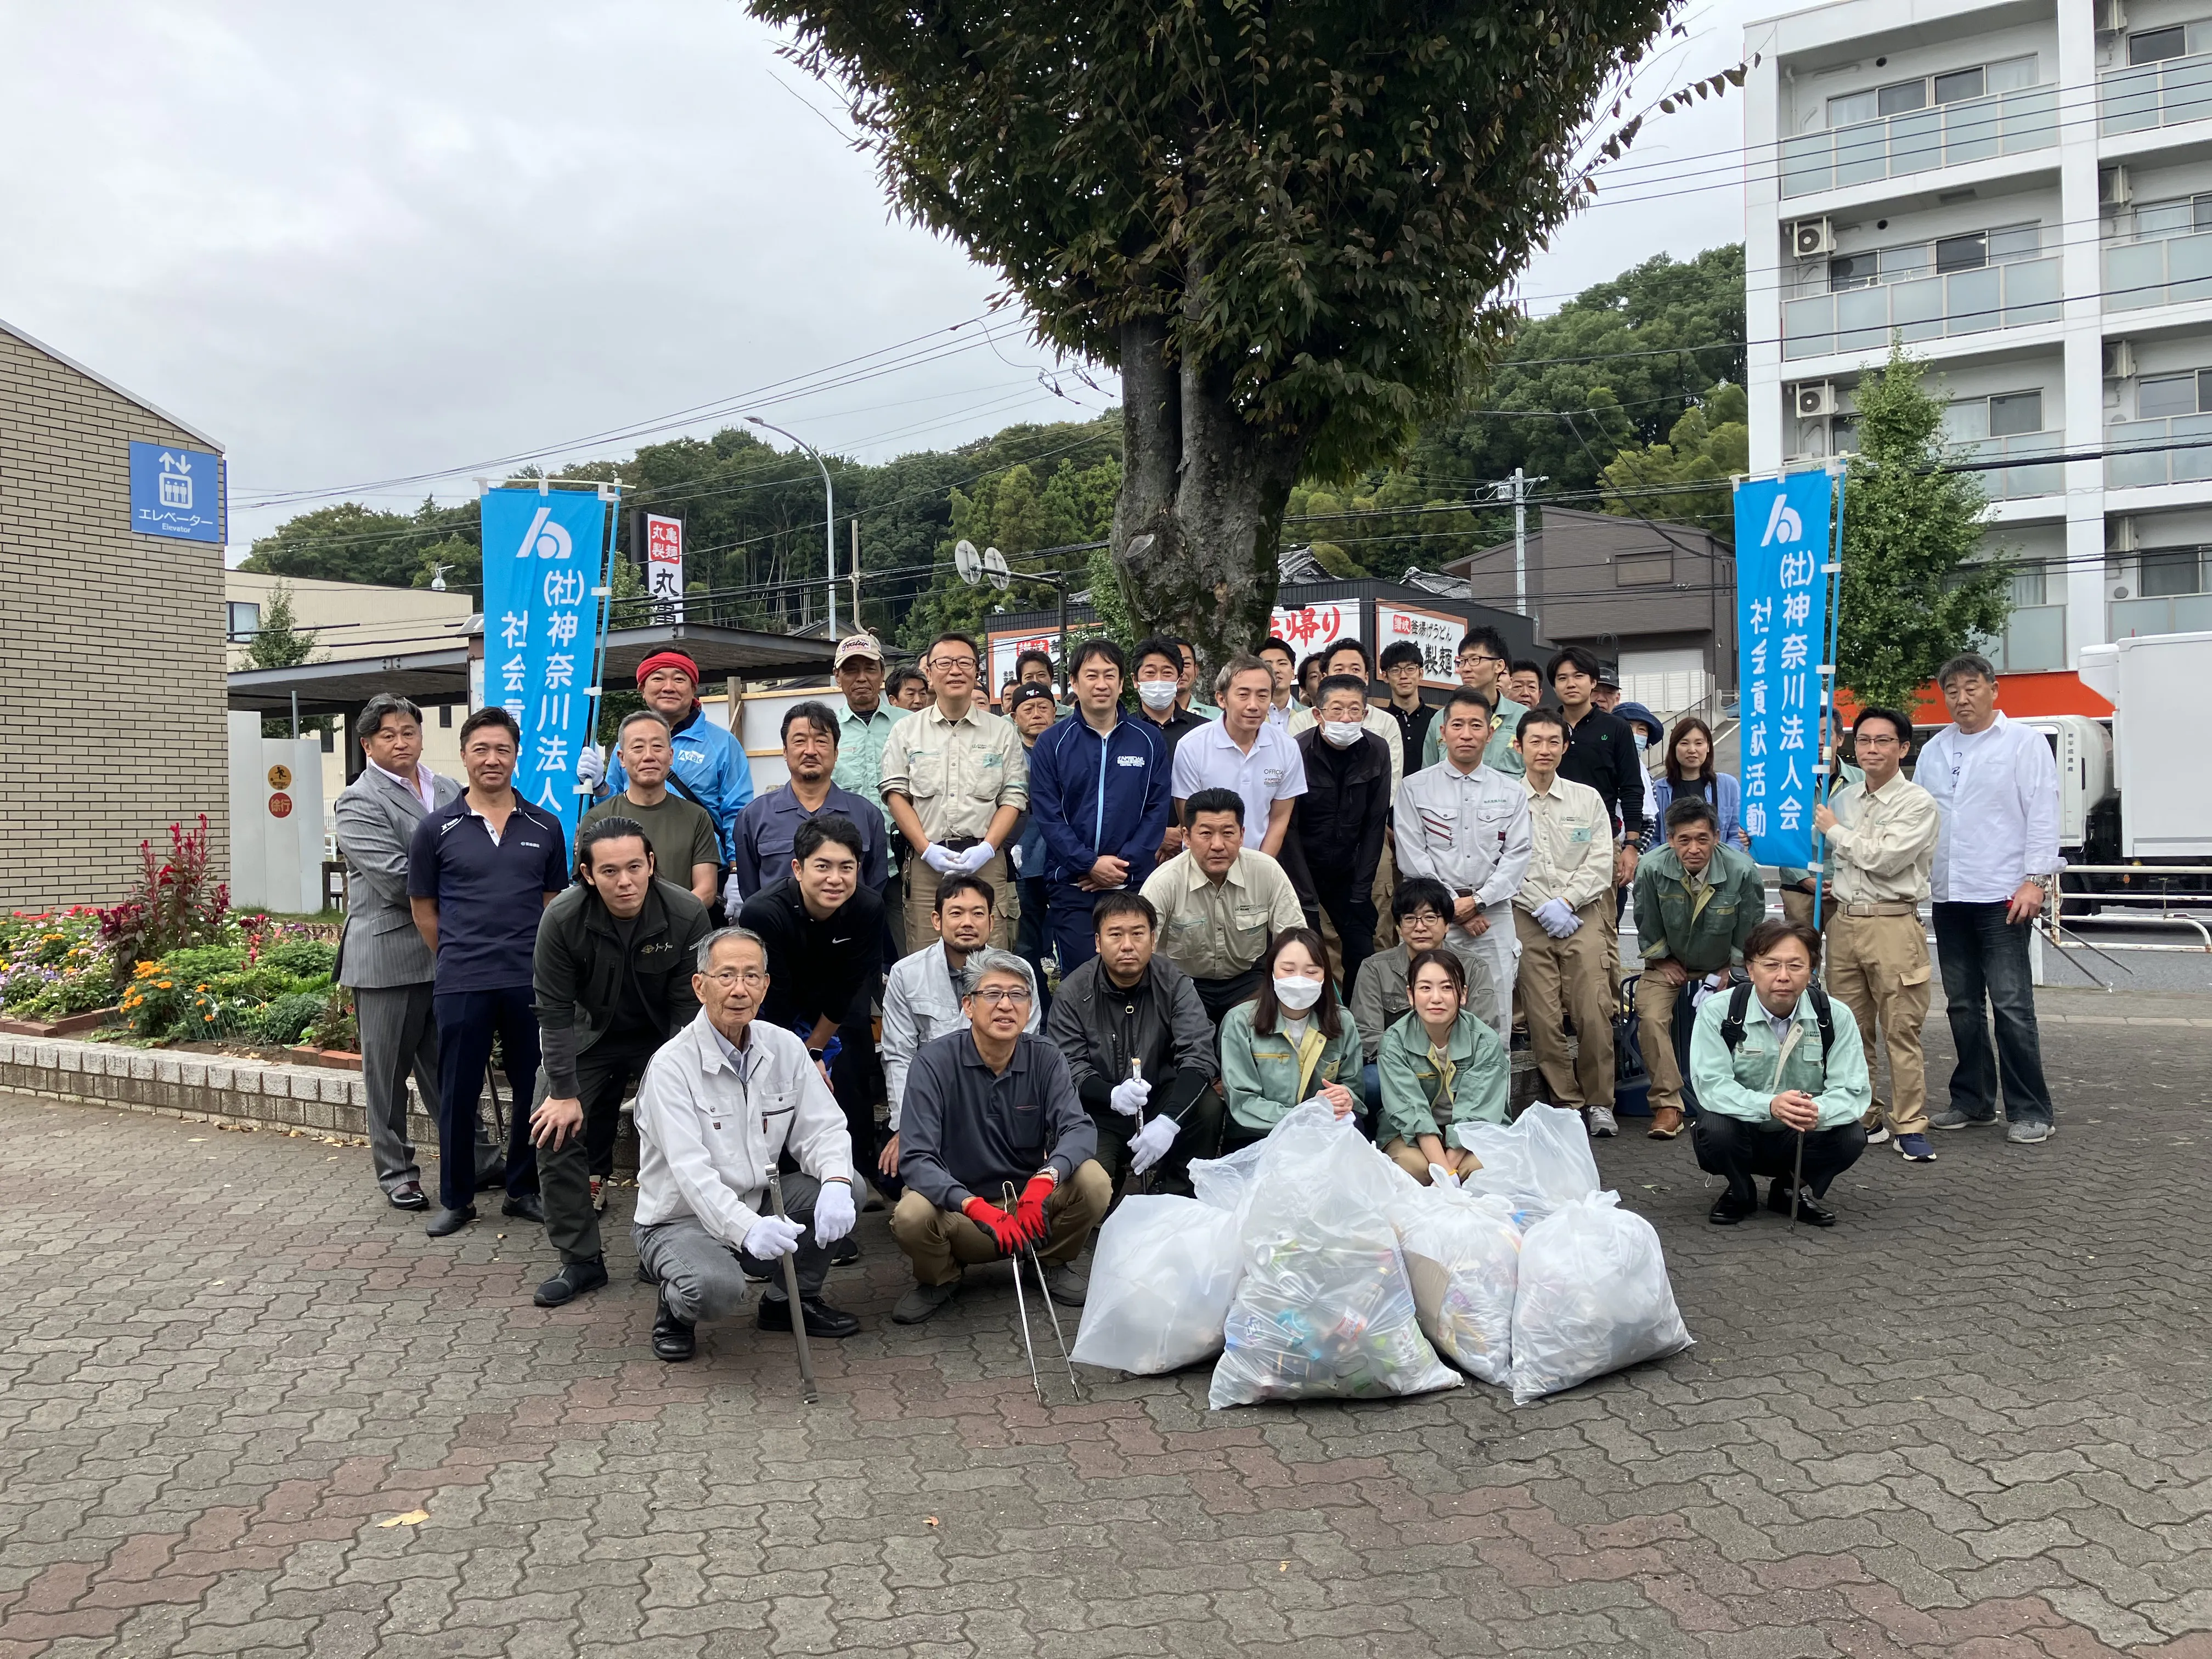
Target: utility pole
<point>856,574</point>
<point>1518,483</point>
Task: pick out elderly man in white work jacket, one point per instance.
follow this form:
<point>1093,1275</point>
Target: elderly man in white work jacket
<point>718,1105</point>
<point>1466,825</point>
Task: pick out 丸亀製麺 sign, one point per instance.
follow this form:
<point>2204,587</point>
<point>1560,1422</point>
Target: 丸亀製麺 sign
<point>544,561</point>
<point>664,567</point>
<point>1782,548</point>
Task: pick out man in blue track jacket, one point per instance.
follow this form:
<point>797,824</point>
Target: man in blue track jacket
<point>1100,792</point>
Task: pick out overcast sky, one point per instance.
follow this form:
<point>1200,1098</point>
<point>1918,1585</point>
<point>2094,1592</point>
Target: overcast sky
<point>370,244</point>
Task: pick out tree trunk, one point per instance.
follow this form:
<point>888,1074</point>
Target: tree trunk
<point>1198,524</point>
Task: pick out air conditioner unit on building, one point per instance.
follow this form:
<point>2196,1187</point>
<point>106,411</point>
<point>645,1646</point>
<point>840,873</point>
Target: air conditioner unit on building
<point>2112,17</point>
<point>2119,361</point>
<point>1813,400</point>
<point>2120,534</point>
<point>1810,239</point>
<point>2113,189</point>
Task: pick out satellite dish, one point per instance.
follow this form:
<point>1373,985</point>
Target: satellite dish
<point>966,560</point>
<point>994,567</point>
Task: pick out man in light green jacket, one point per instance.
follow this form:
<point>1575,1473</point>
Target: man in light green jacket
<point>1782,1082</point>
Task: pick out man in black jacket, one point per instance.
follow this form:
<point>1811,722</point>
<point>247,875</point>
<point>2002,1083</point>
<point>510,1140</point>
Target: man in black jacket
<point>825,930</point>
<point>1139,1044</point>
<point>611,976</point>
<point>1336,842</point>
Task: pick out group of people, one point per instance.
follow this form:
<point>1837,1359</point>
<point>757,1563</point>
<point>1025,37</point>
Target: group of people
<point>988,970</point>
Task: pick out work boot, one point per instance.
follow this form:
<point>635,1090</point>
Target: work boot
<point>1734,1205</point>
<point>1065,1286</point>
<point>923,1302</point>
<point>822,1319</point>
<point>672,1337</point>
<point>1810,1210</point>
<point>573,1278</point>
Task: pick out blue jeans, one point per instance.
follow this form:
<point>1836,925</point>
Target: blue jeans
<point>467,1021</point>
<point>1983,956</point>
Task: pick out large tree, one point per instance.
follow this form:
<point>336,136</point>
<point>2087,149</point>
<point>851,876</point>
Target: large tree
<point>1283,224</point>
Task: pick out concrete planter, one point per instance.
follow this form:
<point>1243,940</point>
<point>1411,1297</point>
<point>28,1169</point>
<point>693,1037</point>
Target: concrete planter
<point>62,1027</point>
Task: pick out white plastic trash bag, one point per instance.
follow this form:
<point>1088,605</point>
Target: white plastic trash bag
<point>1227,1183</point>
<point>1541,1159</point>
<point>1164,1271</point>
<point>1594,1297</point>
<point>1463,1260</point>
<point>1325,1310</point>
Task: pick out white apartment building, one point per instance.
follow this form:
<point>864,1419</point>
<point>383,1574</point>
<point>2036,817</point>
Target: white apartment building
<point>2022,190</point>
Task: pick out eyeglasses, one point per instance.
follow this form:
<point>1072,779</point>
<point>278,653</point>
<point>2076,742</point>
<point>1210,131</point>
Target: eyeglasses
<point>992,996</point>
<point>1479,656</point>
<point>949,665</point>
<point>727,977</point>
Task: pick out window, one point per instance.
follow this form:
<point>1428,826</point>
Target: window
<point>2027,585</point>
<point>2179,217</point>
<point>2014,412</point>
<point>1910,261</point>
<point>241,622</point>
<point>2152,44</point>
<point>330,739</point>
<point>1951,87</point>
<point>2171,571</point>
<point>2160,396</point>
<point>1643,570</point>
<point>1968,252</point>
<point>445,716</point>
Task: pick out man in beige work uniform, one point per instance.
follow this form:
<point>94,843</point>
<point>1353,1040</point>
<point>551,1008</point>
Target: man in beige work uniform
<point>1220,903</point>
<point>1559,915</point>
<point>1880,834</point>
<point>954,780</point>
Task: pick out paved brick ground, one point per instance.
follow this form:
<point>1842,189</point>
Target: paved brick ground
<point>1972,1420</point>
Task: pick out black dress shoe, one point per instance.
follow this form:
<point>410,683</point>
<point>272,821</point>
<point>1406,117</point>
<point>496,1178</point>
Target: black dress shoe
<point>448,1222</point>
<point>1733,1206</point>
<point>822,1319</point>
<point>1810,1210</point>
<point>572,1281</point>
<point>407,1195</point>
<point>528,1207</point>
<point>672,1338</point>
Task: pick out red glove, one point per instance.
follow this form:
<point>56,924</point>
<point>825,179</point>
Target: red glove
<point>996,1222</point>
<point>1029,1215</point>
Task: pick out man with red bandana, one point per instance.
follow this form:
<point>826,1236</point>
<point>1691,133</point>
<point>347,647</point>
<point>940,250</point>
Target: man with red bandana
<point>710,768</point>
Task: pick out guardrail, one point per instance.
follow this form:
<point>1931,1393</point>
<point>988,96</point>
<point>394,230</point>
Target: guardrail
<point>2055,921</point>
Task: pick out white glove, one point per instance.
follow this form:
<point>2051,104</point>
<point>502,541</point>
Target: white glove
<point>1555,919</point>
<point>732,900</point>
<point>833,1212</point>
<point>772,1237</point>
<point>945,863</point>
<point>591,767</point>
<point>1129,1096</point>
<point>1150,1144</point>
<point>1440,1176</point>
<point>972,861</point>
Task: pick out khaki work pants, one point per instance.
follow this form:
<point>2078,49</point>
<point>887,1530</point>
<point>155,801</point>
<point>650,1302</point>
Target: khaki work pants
<point>1654,1033</point>
<point>1565,979</point>
<point>940,1242</point>
<point>1798,907</point>
<point>921,901</point>
<point>1877,967</point>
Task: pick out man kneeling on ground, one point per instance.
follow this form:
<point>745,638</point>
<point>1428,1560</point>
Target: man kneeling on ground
<point>987,1108</point>
<point>1778,1065</point>
<point>721,1102</point>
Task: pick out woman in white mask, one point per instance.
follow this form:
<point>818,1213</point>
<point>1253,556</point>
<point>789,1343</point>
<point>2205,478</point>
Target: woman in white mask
<point>1440,1069</point>
<point>1294,1041</point>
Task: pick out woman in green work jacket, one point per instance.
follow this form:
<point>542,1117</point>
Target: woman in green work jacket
<point>1292,1042</point>
<point>1443,1066</point>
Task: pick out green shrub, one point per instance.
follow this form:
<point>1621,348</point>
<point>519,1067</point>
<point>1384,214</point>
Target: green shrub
<point>301,959</point>
<point>282,1020</point>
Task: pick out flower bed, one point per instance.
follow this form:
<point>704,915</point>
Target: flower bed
<point>265,988</point>
<point>54,965</point>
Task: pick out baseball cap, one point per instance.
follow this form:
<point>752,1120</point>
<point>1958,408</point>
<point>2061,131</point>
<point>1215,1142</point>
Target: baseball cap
<point>857,645</point>
<point>1027,691</point>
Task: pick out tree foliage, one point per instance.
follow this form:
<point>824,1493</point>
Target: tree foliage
<point>1283,224</point>
<point>1916,588</point>
<point>1688,479</point>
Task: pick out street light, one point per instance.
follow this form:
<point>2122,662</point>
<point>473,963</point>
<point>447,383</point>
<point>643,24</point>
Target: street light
<point>829,521</point>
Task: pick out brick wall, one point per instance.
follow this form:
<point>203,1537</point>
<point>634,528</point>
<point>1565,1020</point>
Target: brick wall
<point>96,623</point>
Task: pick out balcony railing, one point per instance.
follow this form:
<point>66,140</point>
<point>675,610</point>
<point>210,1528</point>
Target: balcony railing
<point>2160,95</point>
<point>2011,484</point>
<point>1972,129</point>
<point>2181,613</point>
<point>2033,641</point>
<point>2177,450</point>
<point>1928,308</point>
<point>2162,271</point>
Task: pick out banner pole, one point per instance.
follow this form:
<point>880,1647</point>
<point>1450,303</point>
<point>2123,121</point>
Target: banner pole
<point>606,598</point>
<point>1834,575</point>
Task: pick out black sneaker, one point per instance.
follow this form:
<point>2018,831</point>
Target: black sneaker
<point>822,1319</point>
<point>672,1337</point>
<point>1733,1206</point>
<point>572,1281</point>
<point>845,1252</point>
<point>1810,1210</point>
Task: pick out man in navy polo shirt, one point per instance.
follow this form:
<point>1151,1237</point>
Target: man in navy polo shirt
<point>479,874</point>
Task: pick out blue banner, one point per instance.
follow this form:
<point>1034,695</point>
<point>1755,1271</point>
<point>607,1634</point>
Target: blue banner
<point>176,492</point>
<point>1782,550</point>
<point>543,564</point>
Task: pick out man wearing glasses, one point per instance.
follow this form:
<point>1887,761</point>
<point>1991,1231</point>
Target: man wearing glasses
<point>954,780</point>
<point>1482,663</point>
<point>988,1109</point>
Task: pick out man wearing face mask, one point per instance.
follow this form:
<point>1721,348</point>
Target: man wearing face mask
<point>1336,827</point>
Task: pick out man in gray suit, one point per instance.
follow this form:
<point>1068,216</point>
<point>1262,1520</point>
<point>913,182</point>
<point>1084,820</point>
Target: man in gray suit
<point>382,959</point>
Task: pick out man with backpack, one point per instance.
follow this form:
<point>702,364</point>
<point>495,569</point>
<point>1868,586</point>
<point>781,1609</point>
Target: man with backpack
<point>1782,1083</point>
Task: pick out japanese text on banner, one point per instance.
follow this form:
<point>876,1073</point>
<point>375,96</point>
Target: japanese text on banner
<point>1781,540</point>
<point>664,567</point>
<point>1309,628</point>
<point>542,568</point>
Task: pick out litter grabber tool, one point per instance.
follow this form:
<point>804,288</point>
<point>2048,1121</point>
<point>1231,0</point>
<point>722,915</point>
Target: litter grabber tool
<point>791,1290</point>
